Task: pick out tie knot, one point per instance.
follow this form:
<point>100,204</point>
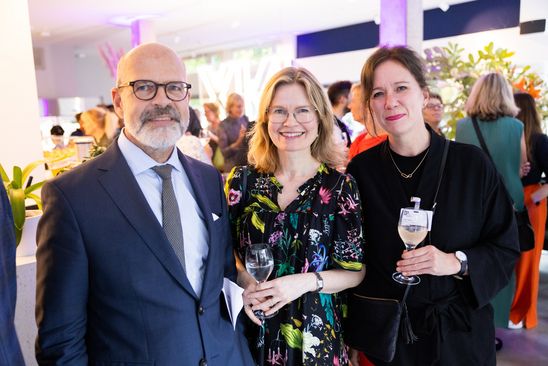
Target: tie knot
<point>164,171</point>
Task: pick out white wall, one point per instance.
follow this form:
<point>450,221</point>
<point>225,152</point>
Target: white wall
<point>20,136</point>
<point>78,71</point>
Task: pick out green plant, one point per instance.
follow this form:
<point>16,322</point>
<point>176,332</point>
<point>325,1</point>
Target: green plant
<point>18,192</point>
<point>452,75</point>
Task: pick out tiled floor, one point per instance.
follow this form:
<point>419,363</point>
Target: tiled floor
<point>528,347</point>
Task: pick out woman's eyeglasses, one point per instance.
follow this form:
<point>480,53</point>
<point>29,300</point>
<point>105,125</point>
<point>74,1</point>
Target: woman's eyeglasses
<point>302,114</point>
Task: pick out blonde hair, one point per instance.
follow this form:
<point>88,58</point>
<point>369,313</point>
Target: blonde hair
<point>212,107</point>
<point>104,120</point>
<point>232,99</point>
<point>263,154</point>
<point>491,97</point>
<point>97,115</point>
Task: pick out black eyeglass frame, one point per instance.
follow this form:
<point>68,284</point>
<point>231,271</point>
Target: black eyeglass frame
<point>186,86</point>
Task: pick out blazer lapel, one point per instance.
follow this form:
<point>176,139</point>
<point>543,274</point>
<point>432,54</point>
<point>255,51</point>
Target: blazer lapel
<point>119,182</point>
<point>199,184</point>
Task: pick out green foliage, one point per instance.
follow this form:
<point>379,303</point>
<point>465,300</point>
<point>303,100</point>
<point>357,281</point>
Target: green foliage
<point>18,192</point>
<point>452,74</point>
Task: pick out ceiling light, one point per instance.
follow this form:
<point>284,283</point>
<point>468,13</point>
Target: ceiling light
<point>444,6</point>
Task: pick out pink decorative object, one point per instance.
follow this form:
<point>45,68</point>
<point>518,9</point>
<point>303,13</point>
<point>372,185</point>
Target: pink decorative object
<point>110,57</point>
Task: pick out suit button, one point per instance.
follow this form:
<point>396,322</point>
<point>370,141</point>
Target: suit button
<point>203,362</point>
<point>201,311</point>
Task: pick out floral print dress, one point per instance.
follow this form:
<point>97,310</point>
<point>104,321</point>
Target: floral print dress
<point>320,230</point>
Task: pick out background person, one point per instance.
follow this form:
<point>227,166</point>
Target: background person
<point>131,270</point>
<point>373,134</point>
<point>523,311</point>
<point>491,102</point>
<point>451,316</point>
<point>94,123</point>
<point>433,112</point>
<point>57,137</point>
<point>232,133</point>
<point>308,213</point>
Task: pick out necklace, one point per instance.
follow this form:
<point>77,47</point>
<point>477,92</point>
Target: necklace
<point>410,175</point>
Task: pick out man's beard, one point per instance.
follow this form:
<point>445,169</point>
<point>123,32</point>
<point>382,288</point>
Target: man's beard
<point>158,138</point>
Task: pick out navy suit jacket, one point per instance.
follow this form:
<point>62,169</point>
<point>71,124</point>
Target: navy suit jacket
<point>10,353</point>
<point>110,289</point>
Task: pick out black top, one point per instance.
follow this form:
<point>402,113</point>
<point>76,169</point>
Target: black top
<point>452,318</point>
<point>539,164</point>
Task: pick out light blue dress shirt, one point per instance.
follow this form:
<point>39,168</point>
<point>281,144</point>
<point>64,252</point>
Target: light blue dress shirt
<point>195,233</point>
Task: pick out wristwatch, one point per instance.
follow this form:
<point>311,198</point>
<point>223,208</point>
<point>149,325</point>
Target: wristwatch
<point>319,282</point>
<point>463,259</point>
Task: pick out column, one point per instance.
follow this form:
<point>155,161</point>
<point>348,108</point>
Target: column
<point>401,23</point>
<point>20,139</point>
<point>142,31</point>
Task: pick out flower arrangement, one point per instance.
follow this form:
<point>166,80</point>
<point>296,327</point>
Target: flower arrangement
<point>452,75</point>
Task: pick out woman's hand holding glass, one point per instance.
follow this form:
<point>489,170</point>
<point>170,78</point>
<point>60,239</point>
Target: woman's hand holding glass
<point>428,260</point>
<point>280,292</point>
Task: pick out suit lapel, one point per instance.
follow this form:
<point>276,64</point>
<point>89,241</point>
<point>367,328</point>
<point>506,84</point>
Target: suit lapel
<point>119,182</point>
<point>199,186</point>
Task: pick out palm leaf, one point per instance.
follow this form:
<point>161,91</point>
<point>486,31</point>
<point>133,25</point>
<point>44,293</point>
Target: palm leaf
<point>17,181</point>
<point>4,174</point>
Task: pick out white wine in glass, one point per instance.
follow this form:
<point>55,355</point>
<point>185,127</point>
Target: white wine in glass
<point>259,263</point>
<point>412,228</point>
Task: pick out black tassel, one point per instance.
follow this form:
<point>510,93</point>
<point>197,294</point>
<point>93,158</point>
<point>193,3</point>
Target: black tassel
<point>406,330</point>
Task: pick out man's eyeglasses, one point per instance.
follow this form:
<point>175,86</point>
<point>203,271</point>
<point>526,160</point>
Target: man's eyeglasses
<point>147,89</point>
<point>279,115</point>
<point>435,107</point>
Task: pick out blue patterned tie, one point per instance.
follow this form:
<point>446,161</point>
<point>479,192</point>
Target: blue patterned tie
<point>171,218</point>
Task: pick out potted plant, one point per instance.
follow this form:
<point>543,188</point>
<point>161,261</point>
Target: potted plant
<point>19,188</point>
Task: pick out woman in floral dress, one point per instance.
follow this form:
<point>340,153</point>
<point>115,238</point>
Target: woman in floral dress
<point>310,216</point>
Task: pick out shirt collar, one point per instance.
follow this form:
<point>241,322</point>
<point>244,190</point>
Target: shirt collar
<point>139,161</point>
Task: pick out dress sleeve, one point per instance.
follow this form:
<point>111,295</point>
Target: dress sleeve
<point>347,250</point>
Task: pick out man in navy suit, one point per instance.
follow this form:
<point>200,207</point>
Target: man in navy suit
<point>10,353</point>
<point>112,288</point>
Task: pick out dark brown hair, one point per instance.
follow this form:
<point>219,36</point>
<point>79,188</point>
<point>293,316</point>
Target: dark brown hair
<point>528,114</point>
<point>400,54</point>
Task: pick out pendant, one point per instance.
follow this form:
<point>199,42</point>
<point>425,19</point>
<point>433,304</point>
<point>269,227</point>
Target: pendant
<point>406,176</point>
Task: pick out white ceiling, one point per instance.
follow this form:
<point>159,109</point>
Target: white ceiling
<point>194,26</point>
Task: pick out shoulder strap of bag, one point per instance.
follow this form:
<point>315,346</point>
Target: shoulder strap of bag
<point>480,137</point>
<point>440,173</point>
<point>483,144</point>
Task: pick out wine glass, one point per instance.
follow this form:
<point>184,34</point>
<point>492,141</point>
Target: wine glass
<point>412,227</point>
<point>259,262</point>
